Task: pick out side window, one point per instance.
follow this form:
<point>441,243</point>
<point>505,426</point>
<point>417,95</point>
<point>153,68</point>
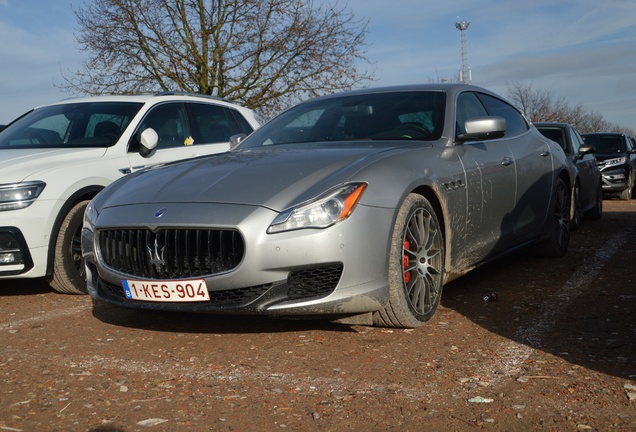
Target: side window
<point>217,123</point>
<point>468,107</point>
<point>171,124</point>
<point>515,123</point>
<point>212,123</point>
<point>576,140</point>
<point>243,125</point>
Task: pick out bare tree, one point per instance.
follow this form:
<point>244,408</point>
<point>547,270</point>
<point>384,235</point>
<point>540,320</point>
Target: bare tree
<point>538,105</point>
<point>541,105</point>
<point>265,54</point>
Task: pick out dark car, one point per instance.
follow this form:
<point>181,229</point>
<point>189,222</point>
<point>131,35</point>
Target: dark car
<point>587,193</point>
<point>364,202</point>
<point>616,158</point>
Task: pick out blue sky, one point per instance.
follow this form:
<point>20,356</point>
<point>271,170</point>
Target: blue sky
<point>582,50</point>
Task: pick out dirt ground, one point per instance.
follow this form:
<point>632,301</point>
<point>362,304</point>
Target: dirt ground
<point>555,352</point>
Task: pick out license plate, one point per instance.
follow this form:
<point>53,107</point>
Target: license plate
<point>167,291</point>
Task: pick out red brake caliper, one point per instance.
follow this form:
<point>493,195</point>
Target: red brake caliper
<point>405,262</point>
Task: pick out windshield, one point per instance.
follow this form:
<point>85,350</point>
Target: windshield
<point>606,143</point>
<point>87,124</point>
<point>408,115</point>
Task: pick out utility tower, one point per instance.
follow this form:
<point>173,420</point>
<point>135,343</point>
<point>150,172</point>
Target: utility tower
<point>465,75</point>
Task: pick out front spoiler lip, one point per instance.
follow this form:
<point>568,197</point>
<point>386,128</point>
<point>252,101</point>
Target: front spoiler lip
<point>276,293</point>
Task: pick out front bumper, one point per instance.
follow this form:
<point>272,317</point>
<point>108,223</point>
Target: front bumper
<point>24,240</point>
<point>15,257</point>
<point>339,270</point>
<point>614,179</point>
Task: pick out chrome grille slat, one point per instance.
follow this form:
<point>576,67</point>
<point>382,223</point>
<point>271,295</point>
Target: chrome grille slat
<point>171,253</point>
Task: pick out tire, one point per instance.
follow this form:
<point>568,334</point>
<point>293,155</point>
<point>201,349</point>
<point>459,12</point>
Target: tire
<point>597,211</point>
<point>558,239</point>
<point>69,273</point>
<point>416,266</point>
<point>626,195</point>
<point>576,215</point>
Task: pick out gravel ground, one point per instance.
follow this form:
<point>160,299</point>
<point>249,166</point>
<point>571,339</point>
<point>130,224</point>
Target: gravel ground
<point>555,352</point>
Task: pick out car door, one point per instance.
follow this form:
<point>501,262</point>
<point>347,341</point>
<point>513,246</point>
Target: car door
<point>490,183</point>
<point>589,175</point>
<point>532,156</point>
<point>170,121</point>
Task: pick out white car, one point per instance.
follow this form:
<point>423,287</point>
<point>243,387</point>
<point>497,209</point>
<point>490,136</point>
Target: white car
<point>56,158</point>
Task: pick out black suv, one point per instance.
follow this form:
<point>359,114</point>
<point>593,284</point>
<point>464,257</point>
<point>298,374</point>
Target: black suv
<point>616,158</point>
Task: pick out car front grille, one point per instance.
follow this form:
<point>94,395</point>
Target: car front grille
<point>171,253</point>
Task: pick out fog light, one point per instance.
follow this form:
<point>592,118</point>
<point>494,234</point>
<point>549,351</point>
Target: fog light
<point>9,250</point>
<point>616,176</point>
<point>10,258</point>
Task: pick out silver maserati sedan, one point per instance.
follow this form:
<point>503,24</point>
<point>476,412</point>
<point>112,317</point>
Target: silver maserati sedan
<point>359,205</point>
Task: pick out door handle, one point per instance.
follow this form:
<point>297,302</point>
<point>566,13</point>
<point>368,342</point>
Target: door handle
<point>507,161</point>
<point>545,152</point>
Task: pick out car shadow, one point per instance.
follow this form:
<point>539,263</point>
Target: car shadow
<point>21,287</point>
<point>572,307</point>
<point>188,322</point>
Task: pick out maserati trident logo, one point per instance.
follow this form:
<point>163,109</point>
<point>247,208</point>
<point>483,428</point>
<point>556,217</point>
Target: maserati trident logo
<point>156,256</point>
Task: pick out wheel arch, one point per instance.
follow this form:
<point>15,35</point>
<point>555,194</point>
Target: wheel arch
<point>86,193</point>
<point>428,193</point>
<point>576,182</point>
<point>435,201</point>
<point>565,175</point>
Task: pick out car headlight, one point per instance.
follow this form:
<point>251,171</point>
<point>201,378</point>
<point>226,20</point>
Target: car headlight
<point>334,206</point>
<point>616,161</point>
<point>19,195</point>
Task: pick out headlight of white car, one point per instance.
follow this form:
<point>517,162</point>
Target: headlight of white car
<point>334,206</point>
<point>19,195</point>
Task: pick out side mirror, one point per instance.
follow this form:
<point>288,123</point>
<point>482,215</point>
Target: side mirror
<point>483,128</point>
<point>148,141</point>
<point>586,149</point>
<point>235,140</point>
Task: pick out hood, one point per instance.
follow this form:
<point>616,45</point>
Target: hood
<point>600,157</point>
<point>272,178</point>
<point>30,164</point>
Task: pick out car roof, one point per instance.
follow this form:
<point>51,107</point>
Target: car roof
<point>605,133</point>
<point>554,124</point>
<point>146,97</point>
<point>451,88</point>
